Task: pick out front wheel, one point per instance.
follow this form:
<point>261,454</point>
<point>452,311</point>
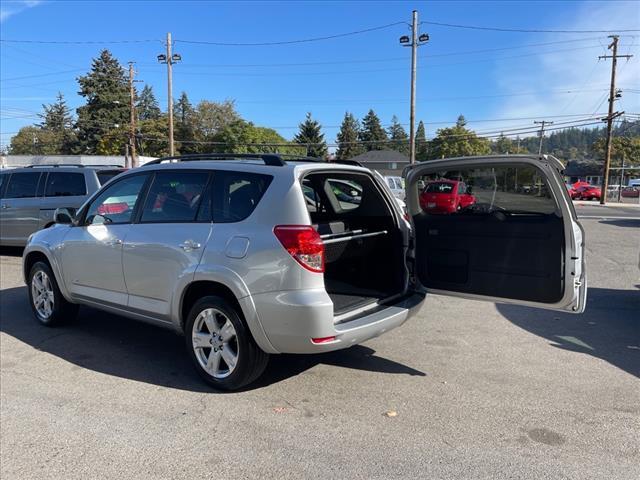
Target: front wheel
<point>221,346</point>
<point>48,304</point>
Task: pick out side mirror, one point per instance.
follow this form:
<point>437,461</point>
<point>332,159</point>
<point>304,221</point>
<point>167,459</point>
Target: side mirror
<point>63,216</point>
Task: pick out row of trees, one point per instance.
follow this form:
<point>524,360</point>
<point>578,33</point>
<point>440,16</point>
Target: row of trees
<point>101,126</point>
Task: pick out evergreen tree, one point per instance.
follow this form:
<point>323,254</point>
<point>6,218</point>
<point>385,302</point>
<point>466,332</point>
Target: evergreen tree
<point>347,137</point>
<point>503,145</point>
<point>372,132</point>
<point>422,146</point>
<point>184,119</point>
<point>106,91</point>
<point>147,105</point>
<point>399,140</point>
<point>58,123</point>
<point>310,133</point>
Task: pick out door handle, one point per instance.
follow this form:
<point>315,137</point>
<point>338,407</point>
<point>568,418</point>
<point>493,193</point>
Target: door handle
<point>189,245</point>
<point>114,242</point>
<point>4,206</point>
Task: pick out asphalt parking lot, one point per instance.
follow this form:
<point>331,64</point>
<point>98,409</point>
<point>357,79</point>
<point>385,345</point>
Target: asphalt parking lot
<point>478,390</point>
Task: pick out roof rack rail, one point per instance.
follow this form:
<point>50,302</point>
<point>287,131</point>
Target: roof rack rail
<point>354,163</point>
<point>271,159</point>
<point>114,165</point>
<point>55,165</point>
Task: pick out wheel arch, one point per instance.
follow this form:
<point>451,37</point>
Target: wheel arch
<point>244,305</point>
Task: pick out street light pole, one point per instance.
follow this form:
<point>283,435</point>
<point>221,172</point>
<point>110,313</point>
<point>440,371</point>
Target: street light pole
<point>412,113</point>
<point>415,41</point>
<point>170,58</point>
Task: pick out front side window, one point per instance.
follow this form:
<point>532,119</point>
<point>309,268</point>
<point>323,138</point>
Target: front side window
<point>22,185</point>
<point>174,196</point>
<point>65,185</point>
<point>116,203</point>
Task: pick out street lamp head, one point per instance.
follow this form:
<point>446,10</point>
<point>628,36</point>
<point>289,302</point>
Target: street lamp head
<point>162,58</point>
<point>404,39</point>
<point>176,57</point>
<point>424,37</point>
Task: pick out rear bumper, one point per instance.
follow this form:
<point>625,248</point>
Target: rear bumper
<point>291,319</point>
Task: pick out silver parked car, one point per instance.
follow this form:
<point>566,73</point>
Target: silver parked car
<point>252,255</point>
<point>30,195</point>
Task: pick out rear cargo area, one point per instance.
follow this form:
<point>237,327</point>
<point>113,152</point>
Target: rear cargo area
<point>364,253</point>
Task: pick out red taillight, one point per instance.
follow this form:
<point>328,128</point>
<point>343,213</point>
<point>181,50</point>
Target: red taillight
<point>323,340</point>
<point>304,244</point>
<point>112,208</point>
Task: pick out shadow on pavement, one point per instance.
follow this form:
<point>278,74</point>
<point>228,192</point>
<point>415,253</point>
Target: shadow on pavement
<point>609,329</point>
<point>129,349</point>
<point>626,222</point>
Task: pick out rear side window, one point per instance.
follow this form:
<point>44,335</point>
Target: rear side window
<point>237,194</point>
<point>347,192</point>
<point>61,184</point>
<point>22,185</point>
<point>175,196</point>
<point>106,175</point>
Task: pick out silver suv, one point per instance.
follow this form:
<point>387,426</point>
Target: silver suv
<point>252,255</point>
<point>30,195</point>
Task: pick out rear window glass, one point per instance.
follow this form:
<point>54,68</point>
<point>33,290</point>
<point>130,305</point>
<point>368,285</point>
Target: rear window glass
<point>175,196</point>
<point>22,185</point>
<point>237,194</point>
<point>105,176</point>
<point>61,184</point>
<point>439,187</point>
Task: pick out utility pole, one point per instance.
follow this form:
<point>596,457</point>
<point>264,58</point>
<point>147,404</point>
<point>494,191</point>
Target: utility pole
<point>133,117</point>
<point>170,58</point>
<point>611,115</point>
<point>542,124</point>
<point>414,42</point>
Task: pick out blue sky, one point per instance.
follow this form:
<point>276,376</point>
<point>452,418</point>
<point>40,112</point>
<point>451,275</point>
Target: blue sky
<point>530,77</point>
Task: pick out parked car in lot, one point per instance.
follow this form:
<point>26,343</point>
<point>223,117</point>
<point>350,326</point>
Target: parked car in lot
<point>446,196</point>
<point>396,185</point>
<point>587,192</point>
<point>251,255</point>
<point>30,195</point>
<point>630,192</point>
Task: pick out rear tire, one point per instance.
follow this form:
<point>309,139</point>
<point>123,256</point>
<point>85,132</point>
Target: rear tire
<point>221,346</point>
<point>47,302</point>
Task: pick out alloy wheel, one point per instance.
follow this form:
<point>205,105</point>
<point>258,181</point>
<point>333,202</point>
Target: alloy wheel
<point>215,343</point>
<point>42,294</point>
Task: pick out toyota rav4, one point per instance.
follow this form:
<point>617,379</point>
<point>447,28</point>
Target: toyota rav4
<point>253,255</point>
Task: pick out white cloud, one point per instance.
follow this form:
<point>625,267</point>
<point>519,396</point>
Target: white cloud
<point>9,8</point>
<point>572,67</point>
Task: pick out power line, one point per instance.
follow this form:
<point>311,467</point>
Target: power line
<point>523,30</point>
<point>290,42</point>
<point>78,42</point>
<point>380,60</point>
